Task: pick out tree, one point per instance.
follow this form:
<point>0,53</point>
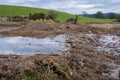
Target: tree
<point>112,15</point>
<point>99,14</point>
<point>118,18</point>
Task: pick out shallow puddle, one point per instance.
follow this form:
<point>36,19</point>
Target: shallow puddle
<point>30,46</point>
<point>110,44</point>
<point>56,44</point>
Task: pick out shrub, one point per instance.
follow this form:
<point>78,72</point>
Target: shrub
<point>37,16</point>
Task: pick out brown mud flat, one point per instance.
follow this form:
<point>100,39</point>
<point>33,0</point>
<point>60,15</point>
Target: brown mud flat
<point>82,62</point>
<point>37,29</point>
<point>30,30</point>
<point>8,27</point>
<point>27,33</point>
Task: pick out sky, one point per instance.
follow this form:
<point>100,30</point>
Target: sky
<point>70,6</point>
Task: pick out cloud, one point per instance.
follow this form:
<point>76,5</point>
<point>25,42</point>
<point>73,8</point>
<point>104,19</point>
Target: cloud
<point>70,6</point>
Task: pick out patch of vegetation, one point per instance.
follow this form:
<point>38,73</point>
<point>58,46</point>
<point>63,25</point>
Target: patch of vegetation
<point>29,75</point>
<point>118,19</point>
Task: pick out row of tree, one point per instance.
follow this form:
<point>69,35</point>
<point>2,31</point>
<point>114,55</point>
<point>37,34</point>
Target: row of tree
<point>100,14</point>
<point>108,15</point>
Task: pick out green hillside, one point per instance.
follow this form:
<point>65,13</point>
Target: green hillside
<point>8,10</point>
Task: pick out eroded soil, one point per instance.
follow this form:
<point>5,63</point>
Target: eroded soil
<point>82,62</point>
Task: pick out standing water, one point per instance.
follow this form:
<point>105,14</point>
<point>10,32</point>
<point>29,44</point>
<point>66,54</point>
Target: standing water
<point>30,46</point>
<point>110,44</point>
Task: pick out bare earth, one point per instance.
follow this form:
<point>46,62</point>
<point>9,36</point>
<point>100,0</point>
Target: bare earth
<point>43,29</point>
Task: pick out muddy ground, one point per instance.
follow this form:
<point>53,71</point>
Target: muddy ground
<point>53,28</point>
<point>81,62</point>
<point>8,27</point>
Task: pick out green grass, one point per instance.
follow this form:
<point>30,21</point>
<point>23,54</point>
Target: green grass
<point>8,10</point>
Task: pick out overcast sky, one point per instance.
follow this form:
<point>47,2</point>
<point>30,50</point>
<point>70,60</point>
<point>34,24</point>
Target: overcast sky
<point>70,6</point>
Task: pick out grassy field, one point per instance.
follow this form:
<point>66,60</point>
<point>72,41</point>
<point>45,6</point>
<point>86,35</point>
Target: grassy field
<point>8,10</point>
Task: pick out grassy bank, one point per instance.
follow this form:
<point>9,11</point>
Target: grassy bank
<point>8,10</point>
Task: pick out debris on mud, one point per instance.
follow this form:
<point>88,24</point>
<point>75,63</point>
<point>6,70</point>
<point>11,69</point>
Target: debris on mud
<point>94,54</point>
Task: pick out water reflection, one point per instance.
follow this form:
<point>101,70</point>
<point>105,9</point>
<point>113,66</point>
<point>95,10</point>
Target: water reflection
<point>30,46</point>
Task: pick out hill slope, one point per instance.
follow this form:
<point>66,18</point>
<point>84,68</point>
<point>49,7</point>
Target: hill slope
<point>8,10</point>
